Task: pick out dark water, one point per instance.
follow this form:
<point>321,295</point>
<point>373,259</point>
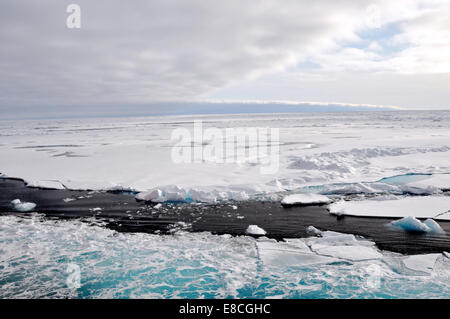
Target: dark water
<point>123,213</point>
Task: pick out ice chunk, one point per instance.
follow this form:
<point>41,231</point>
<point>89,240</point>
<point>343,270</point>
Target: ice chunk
<point>411,224</point>
<point>305,199</point>
<point>433,226</point>
<point>22,206</point>
<point>255,230</point>
<point>157,206</point>
<point>313,231</point>
<point>419,207</point>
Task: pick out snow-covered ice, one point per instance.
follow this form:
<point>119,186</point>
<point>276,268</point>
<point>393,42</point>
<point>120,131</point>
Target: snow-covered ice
<point>20,206</point>
<point>434,207</point>
<point>305,199</point>
<point>315,149</point>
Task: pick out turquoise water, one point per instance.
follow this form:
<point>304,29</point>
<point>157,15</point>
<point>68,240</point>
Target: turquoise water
<point>38,259</point>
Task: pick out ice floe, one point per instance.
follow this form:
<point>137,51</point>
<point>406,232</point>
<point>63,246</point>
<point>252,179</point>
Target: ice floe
<point>330,248</point>
<point>22,206</point>
<point>279,254</point>
<point>434,207</point>
<point>422,263</point>
<point>305,199</point>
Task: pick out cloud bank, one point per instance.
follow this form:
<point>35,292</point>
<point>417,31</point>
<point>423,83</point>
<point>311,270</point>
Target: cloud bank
<point>141,52</point>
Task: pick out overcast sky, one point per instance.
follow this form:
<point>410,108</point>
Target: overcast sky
<point>145,52</point>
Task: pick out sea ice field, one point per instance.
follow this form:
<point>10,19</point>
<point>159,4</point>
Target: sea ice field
<point>392,165</point>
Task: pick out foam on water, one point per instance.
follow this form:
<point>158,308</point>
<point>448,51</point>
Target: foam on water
<point>36,253</point>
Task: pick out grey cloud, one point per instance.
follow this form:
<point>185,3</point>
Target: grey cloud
<point>142,51</point>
